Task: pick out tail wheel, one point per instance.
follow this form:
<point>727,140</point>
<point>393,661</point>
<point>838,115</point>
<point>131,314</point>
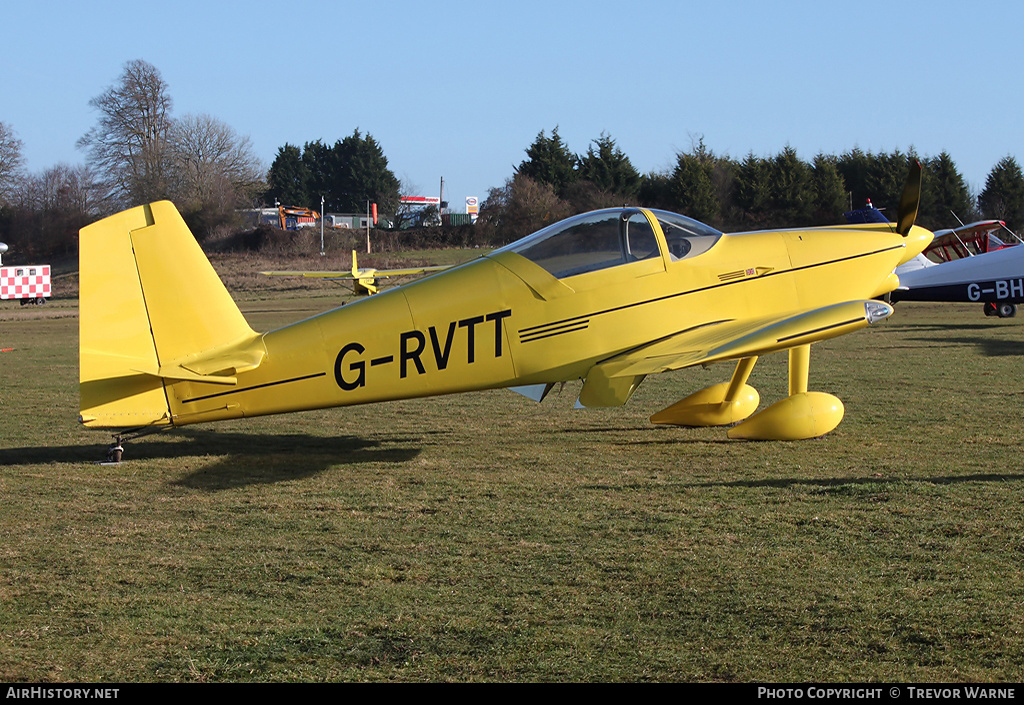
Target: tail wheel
<point>1007,310</point>
<point>115,451</point>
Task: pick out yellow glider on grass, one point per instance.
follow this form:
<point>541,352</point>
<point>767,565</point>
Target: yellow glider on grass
<point>364,279</point>
<point>607,297</point>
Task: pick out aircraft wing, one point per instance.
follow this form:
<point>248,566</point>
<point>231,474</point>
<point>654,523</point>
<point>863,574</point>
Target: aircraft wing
<point>364,278</point>
<point>611,382</point>
<point>301,273</point>
<point>410,271</point>
<point>976,232</point>
<point>348,274</point>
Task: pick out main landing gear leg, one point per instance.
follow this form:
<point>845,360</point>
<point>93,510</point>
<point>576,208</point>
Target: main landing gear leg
<point>799,416</point>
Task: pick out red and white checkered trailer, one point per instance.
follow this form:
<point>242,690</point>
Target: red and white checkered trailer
<point>29,283</point>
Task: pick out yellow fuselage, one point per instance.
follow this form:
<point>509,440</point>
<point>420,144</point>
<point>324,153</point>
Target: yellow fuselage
<point>502,321</point>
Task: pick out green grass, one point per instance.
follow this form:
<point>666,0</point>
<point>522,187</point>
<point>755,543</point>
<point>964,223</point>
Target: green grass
<point>484,537</point>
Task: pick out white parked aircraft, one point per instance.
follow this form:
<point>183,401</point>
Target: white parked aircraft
<point>969,264</point>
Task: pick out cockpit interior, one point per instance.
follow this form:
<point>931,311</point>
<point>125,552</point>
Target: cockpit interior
<point>612,237</point>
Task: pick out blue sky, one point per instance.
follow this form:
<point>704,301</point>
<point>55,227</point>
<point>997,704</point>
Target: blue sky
<point>459,89</point>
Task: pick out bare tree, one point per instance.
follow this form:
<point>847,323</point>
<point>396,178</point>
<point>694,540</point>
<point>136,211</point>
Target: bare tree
<point>60,188</point>
<point>207,154</point>
<point>49,208</point>
<point>406,214</point>
<point>11,162</point>
<point>214,171</point>
<point>128,147</point>
<point>519,208</point>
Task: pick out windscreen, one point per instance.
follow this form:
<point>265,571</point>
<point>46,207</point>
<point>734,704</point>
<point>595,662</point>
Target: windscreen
<point>589,242</point>
<point>685,237</point>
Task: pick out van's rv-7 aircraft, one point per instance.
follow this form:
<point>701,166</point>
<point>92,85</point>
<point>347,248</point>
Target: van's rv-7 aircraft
<point>608,297</point>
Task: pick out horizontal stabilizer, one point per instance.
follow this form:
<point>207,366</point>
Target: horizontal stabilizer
<point>175,372</point>
<point>216,368</point>
<point>231,362</point>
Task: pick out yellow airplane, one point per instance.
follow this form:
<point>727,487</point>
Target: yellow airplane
<point>607,297</point>
<point>364,279</point>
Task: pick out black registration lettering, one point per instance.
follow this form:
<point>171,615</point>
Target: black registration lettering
<point>359,367</point>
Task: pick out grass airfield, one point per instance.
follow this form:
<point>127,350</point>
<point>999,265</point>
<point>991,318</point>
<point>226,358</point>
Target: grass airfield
<point>484,537</point>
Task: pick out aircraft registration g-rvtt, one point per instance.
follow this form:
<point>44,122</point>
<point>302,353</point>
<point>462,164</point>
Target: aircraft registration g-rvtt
<point>607,297</point>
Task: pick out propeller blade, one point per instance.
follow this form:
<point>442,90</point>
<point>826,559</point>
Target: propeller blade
<point>910,200</point>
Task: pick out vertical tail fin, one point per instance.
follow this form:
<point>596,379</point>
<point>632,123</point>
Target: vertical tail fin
<point>150,302</point>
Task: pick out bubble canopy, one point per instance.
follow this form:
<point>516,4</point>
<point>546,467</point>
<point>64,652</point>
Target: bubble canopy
<point>613,237</point>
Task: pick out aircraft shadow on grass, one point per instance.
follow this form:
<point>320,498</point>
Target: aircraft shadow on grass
<point>242,459</point>
<point>989,346</point>
<point>257,459</point>
<point>907,327</point>
<point>829,485</point>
